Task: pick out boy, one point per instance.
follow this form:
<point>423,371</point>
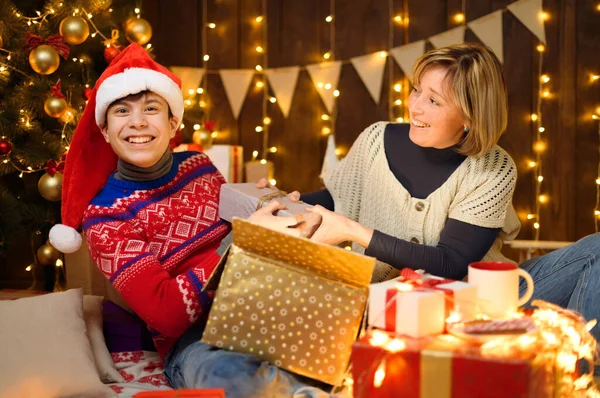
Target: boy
<point>152,227</point>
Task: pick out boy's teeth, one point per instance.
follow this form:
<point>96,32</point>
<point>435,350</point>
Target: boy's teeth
<point>139,140</point>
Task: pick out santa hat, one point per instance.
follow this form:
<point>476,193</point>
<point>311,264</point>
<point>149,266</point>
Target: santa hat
<point>91,160</point>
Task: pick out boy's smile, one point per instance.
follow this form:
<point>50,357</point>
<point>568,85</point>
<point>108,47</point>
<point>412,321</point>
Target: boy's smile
<point>138,128</point>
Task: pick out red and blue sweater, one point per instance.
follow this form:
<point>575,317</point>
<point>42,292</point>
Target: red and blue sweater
<point>156,241</point>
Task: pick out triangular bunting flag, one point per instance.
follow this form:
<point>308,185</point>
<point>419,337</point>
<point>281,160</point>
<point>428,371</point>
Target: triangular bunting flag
<point>191,78</point>
<point>325,77</point>
<point>489,31</point>
<point>529,13</point>
<point>331,160</point>
<point>236,83</point>
<point>370,68</point>
<point>283,82</point>
<point>449,37</point>
<point>407,55</point>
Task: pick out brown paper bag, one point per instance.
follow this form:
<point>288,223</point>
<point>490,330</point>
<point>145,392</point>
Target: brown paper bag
<point>290,301</point>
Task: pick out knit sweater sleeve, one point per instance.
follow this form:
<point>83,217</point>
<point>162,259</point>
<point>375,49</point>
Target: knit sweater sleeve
<point>486,195</point>
<point>346,181</point>
<point>168,304</point>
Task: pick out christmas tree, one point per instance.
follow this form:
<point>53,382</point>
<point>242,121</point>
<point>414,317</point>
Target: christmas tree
<point>51,53</point>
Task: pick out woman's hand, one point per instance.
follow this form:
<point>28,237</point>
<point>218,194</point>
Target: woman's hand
<point>336,228</point>
<point>263,183</point>
<point>288,225</point>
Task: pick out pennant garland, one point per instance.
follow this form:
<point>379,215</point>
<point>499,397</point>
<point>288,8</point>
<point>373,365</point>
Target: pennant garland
<point>489,31</point>
<point>370,68</point>
<point>236,83</point>
<point>407,55</point>
<point>191,78</point>
<point>283,82</point>
<point>325,77</point>
<point>529,13</point>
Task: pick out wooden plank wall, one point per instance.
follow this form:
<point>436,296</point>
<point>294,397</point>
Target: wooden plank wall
<point>298,35</point>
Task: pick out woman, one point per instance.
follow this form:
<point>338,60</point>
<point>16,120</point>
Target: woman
<point>437,195</point>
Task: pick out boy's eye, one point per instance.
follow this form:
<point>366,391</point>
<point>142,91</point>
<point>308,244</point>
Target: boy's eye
<point>120,110</point>
<point>151,108</point>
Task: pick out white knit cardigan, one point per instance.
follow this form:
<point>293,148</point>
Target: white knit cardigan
<point>478,192</point>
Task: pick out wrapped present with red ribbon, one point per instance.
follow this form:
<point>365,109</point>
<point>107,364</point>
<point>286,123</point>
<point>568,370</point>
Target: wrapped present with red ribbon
<point>387,366</point>
<point>418,305</point>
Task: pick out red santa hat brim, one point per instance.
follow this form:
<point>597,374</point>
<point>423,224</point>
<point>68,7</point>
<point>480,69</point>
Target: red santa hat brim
<point>91,160</point>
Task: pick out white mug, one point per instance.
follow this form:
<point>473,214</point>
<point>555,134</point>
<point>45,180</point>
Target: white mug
<point>498,287</point>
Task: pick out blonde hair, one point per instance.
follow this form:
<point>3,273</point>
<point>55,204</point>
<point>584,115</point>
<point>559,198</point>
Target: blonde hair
<point>475,79</point>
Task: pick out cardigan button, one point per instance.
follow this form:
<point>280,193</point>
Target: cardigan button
<point>414,240</point>
<point>419,206</point>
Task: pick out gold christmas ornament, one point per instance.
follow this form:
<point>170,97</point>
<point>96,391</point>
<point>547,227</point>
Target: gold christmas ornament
<point>47,254</point>
<point>44,59</point>
<point>102,4</point>
<point>50,187</point>
<point>68,116</point>
<point>74,30</point>
<point>138,30</point>
<point>55,107</point>
<point>203,137</point>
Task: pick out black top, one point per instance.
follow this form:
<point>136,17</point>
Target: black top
<point>421,171</point>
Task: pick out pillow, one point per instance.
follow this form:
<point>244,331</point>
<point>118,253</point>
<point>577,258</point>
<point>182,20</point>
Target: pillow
<point>92,315</point>
<point>45,350</point>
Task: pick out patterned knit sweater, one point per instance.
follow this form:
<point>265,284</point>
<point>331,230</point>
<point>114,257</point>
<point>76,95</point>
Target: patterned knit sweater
<point>479,192</point>
<point>156,241</point>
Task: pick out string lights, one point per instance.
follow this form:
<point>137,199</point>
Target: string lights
<point>396,101</point>
<point>328,120</point>
<point>539,144</point>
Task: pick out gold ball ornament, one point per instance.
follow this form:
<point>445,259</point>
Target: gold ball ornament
<point>55,107</point>
<point>44,59</point>
<point>203,137</point>
<point>68,116</point>
<point>50,187</point>
<point>102,4</point>
<point>47,254</point>
<point>138,30</point>
<point>74,30</point>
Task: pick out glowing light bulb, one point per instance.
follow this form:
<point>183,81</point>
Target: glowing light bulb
<point>532,164</point>
<point>543,198</point>
<point>397,87</point>
<point>254,154</point>
<point>326,130</point>
<point>273,149</point>
<point>398,102</point>
<point>260,84</point>
<point>536,225</point>
<point>199,90</point>
<point>541,48</point>
<point>258,129</point>
<point>543,16</point>
<point>530,216</point>
<point>267,120</point>
<point>197,127</point>
<point>541,129</point>
<point>263,161</point>
<point>539,146</point>
<point>534,117</point>
<point>540,178</point>
<point>272,100</point>
<point>459,18</point>
<point>383,54</point>
<point>329,18</point>
<point>327,55</point>
<point>273,181</point>
<point>544,78</point>
<point>212,25</point>
<point>398,19</point>
<point>258,68</point>
<point>325,117</point>
<point>338,151</point>
<point>206,57</point>
<point>259,18</point>
<point>336,93</point>
<point>259,49</point>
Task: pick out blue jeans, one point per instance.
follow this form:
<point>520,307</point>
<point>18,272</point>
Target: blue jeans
<point>192,364</point>
<point>570,277</point>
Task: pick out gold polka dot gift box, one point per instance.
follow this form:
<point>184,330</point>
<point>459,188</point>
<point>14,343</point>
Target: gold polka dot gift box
<point>290,301</point>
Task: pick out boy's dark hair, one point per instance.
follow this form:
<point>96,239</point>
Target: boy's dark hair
<point>135,97</point>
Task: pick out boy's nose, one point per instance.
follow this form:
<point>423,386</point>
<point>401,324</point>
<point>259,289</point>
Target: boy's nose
<point>137,120</point>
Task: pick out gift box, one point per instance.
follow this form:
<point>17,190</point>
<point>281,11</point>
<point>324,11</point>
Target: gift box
<point>289,301</point>
<point>124,331</point>
<point>257,169</point>
<point>228,159</point>
<point>241,200</point>
<point>420,306</point>
<point>385,366</point>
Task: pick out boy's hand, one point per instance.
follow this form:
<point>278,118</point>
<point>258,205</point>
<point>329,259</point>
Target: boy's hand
<point>263,183</point>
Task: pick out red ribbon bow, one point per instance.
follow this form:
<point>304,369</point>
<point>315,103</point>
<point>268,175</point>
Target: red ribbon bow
<point>52,167</point>
<point>55,41</point>
<point>56,90</point>
<point>210,126</point>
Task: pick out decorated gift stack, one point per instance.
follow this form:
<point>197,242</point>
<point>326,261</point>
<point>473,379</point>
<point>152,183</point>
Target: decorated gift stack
<point>430,337</point>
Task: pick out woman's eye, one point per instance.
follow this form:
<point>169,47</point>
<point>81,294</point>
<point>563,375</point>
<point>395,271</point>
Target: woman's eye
<point>434,102</point>
<point>414,89</point>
